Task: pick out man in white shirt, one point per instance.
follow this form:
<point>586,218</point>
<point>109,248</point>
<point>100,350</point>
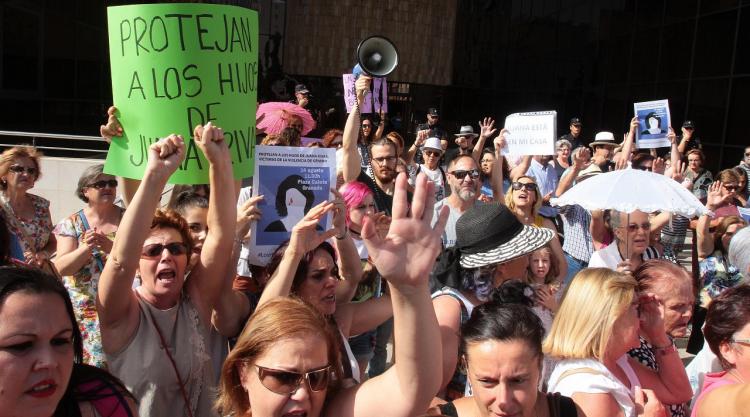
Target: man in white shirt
<point>431,153</point>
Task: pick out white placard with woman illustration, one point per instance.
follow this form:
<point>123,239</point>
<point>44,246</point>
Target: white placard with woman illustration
<point>654,119</point>
<point>292,181</point>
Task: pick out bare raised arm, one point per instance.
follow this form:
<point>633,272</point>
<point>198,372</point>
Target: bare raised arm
<point>233,307</point>
<point>404,258</point>
<point>486,129</point>
<point>206,278</point>
<point>116,304</point>
<point>351,164</point>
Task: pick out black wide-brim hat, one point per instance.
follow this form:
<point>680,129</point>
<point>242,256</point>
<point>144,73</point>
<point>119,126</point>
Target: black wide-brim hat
<point>489,234</point>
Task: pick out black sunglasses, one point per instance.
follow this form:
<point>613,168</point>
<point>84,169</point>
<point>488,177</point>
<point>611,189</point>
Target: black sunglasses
<point>287,382</point>
<point>431,153</point>
<point>103,183</point>
<point>528,186</point>
<point>462,173</point>
<point>19,169</point>
<point>156,249</point>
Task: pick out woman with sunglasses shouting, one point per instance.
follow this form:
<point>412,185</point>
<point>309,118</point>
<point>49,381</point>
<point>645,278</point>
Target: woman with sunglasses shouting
<point>524,200</point>
<point>286,361</point>
<point>155,337</point>
<point>84,240</point>
<point>27,214</point>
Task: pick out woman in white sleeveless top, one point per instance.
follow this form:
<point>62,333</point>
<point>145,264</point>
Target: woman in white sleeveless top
<point>597,324</point>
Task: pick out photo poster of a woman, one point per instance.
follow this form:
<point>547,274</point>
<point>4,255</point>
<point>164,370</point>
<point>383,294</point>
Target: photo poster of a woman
<point>654,119</point>
<point>292,180</point>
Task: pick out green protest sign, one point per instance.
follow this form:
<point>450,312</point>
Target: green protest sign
<point>178,65</point>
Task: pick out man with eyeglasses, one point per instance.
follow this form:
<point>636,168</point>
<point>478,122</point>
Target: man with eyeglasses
<point>382,155</point>
<point>630,247</point>
<point>464,182</point>
<point>431,154</point>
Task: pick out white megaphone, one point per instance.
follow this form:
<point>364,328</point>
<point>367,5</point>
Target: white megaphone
<point>376,56</point>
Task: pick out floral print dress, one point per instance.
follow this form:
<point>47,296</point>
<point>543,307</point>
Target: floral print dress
<point>33,234</point>
<point>82,287</point>
<point>717,275</point>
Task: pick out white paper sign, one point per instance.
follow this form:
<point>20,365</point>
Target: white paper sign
<point>531,133</point>
<point>376,99</point>
<point>654,120</point>
<point>292,180</point>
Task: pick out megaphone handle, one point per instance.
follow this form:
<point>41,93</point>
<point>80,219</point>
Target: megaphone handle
<point>380,96</point>
<point>372,95</point>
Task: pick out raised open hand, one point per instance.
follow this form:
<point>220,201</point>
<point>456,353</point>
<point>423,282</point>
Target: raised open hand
<point>210,140</point>
<point>678,171</point>
<point>246,214</point>
<point>581,157</point>
<point>487,127</point>
<point>406,255</point>
<point>305,236</point>
<point>715,199</point>
<point>166,155</point>
<point>113,127</point>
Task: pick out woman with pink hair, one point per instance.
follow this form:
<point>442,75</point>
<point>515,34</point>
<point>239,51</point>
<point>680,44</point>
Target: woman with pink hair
<point>360,204</point>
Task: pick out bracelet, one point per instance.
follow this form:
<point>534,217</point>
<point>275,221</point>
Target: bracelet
<point>665,350</point>
<point>346,233</point>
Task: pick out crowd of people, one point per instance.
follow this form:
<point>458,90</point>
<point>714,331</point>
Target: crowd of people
<point>491,300</point>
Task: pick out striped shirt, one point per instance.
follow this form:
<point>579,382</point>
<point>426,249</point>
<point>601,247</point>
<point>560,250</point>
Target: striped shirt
<point>578,242</point>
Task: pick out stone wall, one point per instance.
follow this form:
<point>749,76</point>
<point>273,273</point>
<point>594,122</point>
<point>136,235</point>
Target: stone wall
<point>322,36</point>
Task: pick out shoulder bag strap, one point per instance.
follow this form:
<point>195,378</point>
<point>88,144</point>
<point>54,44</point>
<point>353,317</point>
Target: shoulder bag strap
<point>94,251</point>
<point>570,372</point>
<point>171,361</point>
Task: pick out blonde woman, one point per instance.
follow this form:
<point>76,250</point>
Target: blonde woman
<point>524,200</point>
<point>596,325</point>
